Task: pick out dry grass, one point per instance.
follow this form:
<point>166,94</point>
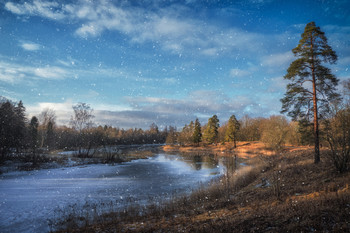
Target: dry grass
<point>279,193</point>
<point>244,149</point>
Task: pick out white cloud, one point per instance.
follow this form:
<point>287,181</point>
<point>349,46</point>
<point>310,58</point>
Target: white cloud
<point>196,104</point>
<point>140,112</point>
<point>13,73</point>
<point>45,9</point>
<point>344,61</point>
<point>162,25</point>
<point>278,84</point>
<point>240,73</point>
<point>112,107</point>
<point>210,51</point>
<point>281,60</point>
<point>100,16</point>
<point>62,110</point>
<point>29,46</point>
<point>50,72</point>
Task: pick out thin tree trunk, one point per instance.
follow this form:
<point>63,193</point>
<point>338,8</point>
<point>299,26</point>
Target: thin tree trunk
<point>316,130</point>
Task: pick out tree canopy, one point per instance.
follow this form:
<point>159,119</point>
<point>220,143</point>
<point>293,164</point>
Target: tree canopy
<point>211,131</point>
<point>232,130</point>
<point>197,132</point>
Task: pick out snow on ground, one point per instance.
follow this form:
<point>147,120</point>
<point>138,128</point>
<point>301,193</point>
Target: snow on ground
<point>30,199</point>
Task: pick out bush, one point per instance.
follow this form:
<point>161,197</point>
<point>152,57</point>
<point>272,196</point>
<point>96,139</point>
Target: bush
<point>274,132</point>
<point>338,137</point>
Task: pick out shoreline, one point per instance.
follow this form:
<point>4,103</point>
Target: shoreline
<point>283,192</point>
<point>243,149</point>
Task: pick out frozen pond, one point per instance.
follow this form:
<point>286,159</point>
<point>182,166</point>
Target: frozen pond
<point>29,199</point>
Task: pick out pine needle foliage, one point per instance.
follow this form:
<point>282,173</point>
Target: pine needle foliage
<point>232,130</point>
<point>197,133</point>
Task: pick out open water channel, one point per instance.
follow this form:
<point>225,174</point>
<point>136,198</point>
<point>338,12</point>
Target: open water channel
<point>30,200</point>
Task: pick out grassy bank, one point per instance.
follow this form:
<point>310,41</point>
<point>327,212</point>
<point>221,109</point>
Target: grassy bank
<point>277,193</point>
<point>244,149</point>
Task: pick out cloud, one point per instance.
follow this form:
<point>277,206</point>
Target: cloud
<point>200,104</point>
<point>14,73</point>
<point>163,26</point>
<point>344,61</point>
<point>197,103</point>
<point>62,110</point>
<point>50,72</point>
<point>44,9</point>
<point>141,112</point>
<point>100,16</point>
<point>29,46</point>
<point>240,73</point>
<point>281,60</point>
<point>278,84</point>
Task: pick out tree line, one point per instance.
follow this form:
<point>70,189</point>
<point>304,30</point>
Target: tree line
<point>275,132</point>
<point>41,133</point>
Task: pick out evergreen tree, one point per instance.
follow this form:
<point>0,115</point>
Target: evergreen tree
<point>20,125</point>
<point>12,126</point>
<point>312,86</point>
<point>197,132</point>
<point>232,130</point>
<point>7,128</point>
<point>33,131</point>
<point>211,131</point>
<point>305,131</point>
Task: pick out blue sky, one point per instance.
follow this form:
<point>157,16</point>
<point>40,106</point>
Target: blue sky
<point>168,62</point>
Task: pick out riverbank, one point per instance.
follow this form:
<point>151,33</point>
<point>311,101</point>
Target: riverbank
<point>279,193</point>
<point>244,149</point>
<point>26,161</point>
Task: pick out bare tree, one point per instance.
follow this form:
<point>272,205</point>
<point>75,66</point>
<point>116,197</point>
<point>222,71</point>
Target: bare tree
<point>82,122</point>
<point>274,132</point>
<point>47,118</point>
<point>82,118</point>
<point>338,130</point>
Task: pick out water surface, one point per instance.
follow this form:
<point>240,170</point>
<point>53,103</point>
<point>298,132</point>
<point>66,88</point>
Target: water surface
<point>30,199</point>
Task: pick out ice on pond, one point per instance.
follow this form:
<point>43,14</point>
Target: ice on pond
<point>31,198</point>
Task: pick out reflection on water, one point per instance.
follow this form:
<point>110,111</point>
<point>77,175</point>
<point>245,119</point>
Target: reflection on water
<point>159,177</point>
<point>198,161</point>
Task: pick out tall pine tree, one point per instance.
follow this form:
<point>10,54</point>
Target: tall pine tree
<point>312,85</point>
<point>20,125</point>
<point>211,131</point>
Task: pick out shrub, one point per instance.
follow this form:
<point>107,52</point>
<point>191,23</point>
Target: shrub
<point>338,137</point>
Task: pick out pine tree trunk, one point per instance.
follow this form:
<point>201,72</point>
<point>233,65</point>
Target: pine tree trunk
<point>316,131</point>
<point>314,97</point>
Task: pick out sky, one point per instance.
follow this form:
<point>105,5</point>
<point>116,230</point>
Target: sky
<point>156,61</point>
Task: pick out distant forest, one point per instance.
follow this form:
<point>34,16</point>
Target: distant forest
<point>20,134</point>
